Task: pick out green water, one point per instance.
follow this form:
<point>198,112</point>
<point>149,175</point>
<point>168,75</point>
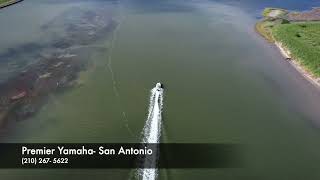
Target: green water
<point>223,84</point>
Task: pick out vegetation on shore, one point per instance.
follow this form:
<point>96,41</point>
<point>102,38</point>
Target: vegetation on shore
<point>271,18</point>
<point>4,3</point>
<point>266,26</point>
<point>303,41</point>
<point>300,38</point>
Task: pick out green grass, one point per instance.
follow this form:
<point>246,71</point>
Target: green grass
<point>271,18</point>
<point>3,1</point>
<point>303,40</point>
<point>264,28</point>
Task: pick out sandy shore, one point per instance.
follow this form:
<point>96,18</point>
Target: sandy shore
<point>287,54</point>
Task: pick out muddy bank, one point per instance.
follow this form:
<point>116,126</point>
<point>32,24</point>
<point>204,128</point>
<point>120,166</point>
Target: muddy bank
<point>53,66</point>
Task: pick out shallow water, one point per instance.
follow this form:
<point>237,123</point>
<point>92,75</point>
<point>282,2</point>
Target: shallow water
<point>223,84</point>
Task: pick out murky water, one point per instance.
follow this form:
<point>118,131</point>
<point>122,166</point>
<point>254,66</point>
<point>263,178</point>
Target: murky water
<point>223,84</point>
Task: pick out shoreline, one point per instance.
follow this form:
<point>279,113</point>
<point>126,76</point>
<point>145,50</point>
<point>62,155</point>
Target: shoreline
<point>293,62</point>
<point>273,17</point>
<point>9,3</point>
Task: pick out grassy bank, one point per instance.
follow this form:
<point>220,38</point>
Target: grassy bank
<point>264,29</point>
<point>266,26</point>
<point>5,3</point>
<point>298,40</point>
<point>303,41</point>
<point>271,18</point>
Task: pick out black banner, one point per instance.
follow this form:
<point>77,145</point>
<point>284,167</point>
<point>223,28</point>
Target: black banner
<point>120,155</point>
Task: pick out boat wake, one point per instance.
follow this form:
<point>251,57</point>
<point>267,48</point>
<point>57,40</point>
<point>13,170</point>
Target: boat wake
<point>152,130</point>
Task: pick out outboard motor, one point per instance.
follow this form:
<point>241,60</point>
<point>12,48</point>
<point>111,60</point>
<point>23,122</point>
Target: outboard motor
<point>158,86</point>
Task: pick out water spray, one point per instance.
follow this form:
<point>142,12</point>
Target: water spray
<point>152,129</point>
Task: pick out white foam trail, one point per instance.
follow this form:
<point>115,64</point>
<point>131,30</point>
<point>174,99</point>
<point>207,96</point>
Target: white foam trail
<point>152,129</point>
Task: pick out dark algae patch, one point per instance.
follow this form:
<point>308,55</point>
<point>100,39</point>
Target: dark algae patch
<point>54,66</point>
